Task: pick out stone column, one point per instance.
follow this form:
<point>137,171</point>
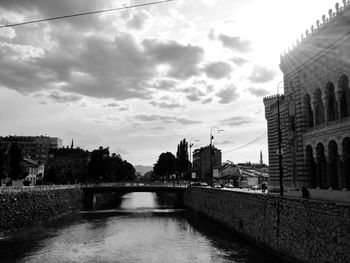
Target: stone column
<point>341,172</point>
<point>313,107</point>
<point>338,97</point>
<point>325,107</point>
<point>318,174</point>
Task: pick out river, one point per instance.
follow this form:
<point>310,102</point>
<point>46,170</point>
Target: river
<point>142,227</point>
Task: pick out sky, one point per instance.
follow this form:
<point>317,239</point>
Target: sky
<point>140,80</point>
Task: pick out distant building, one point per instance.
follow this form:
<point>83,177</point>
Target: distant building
<point>33,147</point>
<point>202,162</point>
<point>35,171</point>
<point>243,175</point>
<point>70,163</point>
<point>315,108</point>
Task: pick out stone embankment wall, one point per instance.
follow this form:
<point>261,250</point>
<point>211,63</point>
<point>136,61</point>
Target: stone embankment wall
<point>299,229</point>
<point>32,206</point>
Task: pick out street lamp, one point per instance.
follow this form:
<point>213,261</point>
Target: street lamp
<point>279,141</point>
<point>212,153</point>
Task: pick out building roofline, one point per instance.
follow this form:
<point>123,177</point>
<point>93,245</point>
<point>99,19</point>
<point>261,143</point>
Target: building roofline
<point>320,26</point>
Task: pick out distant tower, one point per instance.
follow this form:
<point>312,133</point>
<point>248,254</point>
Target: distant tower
<point>72,144</point>
<point>261,158</point>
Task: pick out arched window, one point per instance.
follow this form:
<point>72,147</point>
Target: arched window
<point>343,85</point>
<point>319,108</point>
<point>308,111</point>
<point>332,107</point>
<point>333,164</point>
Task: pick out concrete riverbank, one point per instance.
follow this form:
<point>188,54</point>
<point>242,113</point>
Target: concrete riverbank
<point>299,229</point>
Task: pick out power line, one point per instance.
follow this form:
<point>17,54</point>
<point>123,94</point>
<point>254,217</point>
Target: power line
<point>83,14</point>
<point>258,139</point>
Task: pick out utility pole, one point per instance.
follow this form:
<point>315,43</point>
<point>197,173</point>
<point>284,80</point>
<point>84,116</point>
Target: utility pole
<point>212,153</point>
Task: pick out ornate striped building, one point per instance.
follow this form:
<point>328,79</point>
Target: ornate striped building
<point>315,108</point>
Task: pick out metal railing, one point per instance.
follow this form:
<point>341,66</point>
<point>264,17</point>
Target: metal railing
<point>92,185</point>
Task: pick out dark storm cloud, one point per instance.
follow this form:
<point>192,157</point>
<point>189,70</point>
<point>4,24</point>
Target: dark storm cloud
<point>182,59</point>
<point>63,98</point>
<point>235,43</point>
<point>259,92</point>
<point>236,121</point>
<point>261,74</point>
<point>166,105</point>
<point>227,94</point>
<point>163,118</point>
<point>217,70</point>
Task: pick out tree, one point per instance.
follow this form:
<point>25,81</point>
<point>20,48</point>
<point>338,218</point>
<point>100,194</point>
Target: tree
<point>109,168</point>
<point>165,165</point>
<point>16,169</point>
<point>98,164</point>
<point>182,163</point>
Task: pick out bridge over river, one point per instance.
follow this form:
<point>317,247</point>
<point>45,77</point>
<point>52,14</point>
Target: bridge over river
<point>127,187</point>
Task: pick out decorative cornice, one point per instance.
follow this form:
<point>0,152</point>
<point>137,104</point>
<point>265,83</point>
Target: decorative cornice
<point>319,25</point>
<point>272,97</point>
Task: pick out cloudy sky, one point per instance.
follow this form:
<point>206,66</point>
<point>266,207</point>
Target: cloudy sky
<point>140,80</point>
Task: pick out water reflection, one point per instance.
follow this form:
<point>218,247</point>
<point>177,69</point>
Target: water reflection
<point>143,228</point>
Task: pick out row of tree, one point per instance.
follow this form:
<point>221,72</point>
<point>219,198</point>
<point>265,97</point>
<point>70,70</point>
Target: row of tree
<point>109,168</point>
<point>102,167</point>
<point>167,164</point>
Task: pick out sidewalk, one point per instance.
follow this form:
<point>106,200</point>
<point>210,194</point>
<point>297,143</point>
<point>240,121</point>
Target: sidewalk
<point>336,196</point>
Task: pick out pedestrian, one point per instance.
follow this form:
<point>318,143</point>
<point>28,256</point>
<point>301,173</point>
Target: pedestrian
<point>305,193</point>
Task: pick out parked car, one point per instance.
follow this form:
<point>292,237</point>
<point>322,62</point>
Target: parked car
<point>256,187</point>
<point>228,185</point>
<point>217,185</point>
<point>198,184</point>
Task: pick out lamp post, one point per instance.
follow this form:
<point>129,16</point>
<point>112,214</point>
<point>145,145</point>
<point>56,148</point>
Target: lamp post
<point>280,166</point>
<point>212,153</point>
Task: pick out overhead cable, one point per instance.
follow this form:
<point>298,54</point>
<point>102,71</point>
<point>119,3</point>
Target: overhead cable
<point>83,14</point>
<point>258,139</point>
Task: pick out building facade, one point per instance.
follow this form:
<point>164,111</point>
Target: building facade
<point>314,111</point>
<point>35,171</point>
<point>202,162</point>
<point>34,147</point>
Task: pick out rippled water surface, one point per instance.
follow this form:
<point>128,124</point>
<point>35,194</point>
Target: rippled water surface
<point>142,227</point>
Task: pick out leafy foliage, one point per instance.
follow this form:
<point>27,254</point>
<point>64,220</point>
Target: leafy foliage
<point>165,165</point>
<point>13,165</point>
<point>109,168</point>
<point>182,162</point>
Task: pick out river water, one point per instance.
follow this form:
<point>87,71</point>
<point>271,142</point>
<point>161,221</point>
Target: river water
<point>142,227</point>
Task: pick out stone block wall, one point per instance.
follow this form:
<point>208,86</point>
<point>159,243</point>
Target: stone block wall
<point>29,207</point>
<point>299,229</point>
